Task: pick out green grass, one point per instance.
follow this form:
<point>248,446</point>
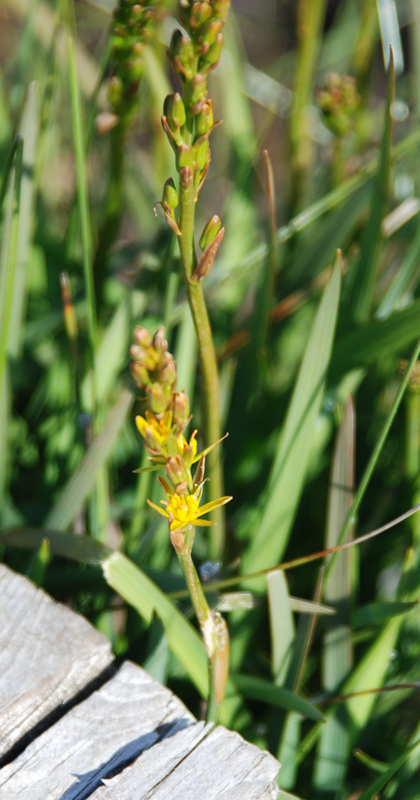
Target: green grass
<point>324,426</point>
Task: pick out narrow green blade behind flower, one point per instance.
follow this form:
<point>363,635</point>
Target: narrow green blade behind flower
<point>291,461</point>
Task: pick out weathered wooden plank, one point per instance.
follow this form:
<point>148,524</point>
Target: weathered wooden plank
<point>47,655</point>
<point>95,739</point>
<point>216,764</point>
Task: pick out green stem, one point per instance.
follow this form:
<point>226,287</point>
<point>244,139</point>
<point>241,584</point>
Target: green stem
<point>211,399</point>
<point>206,622</point>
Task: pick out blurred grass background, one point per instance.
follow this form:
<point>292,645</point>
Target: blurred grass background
<point>344,156</point>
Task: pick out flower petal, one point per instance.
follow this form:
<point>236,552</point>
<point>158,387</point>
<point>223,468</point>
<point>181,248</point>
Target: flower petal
<point>203,522</point>
<point>208,449</point>
<point>214,504</point>
<point>157,508</point>
<point>167,488</point>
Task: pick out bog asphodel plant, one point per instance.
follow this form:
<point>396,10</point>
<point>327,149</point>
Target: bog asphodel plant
<point>162,428</point>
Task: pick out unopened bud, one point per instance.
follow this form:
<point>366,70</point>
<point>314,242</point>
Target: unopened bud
<point>210,59</point>
<point>184,157</point>
<point>210,231</point>
<point>202,154</point>
<point>204,119</point>
<point>181,409</point>
<point>198,89</point>
<point>176,471</point>
<point>157,398</point>
<point>167,375</point>
<point>159,341</point>
<point>201,12</point>
<point>140,374</point>
<point>170,194</point>
<point>220,8</point>
<point>210,32</point>
<point>174,111</point>
<point>142,336</point>
<point>182,52</point>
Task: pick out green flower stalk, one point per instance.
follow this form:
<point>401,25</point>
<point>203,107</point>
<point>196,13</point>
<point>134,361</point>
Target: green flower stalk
<point>188,122</point>
<point>162,429</point>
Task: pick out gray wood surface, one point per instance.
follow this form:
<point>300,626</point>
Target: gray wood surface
<point>130,739</point>
<point>126,716</point>
<point>204,763</point>
<point>47,655</point>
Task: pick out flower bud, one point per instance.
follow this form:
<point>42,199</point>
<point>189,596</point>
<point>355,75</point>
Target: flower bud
<point>184,157</point>
<point>181,409</point>
<point>157,398</point>
<point>176,471</point>
<point>204,119</point>
<point>174,111</point>
<point>181,50</point>
<point>140,374</point>
<point>198,89</point>
<point>210,59</point>
<point>220,8</point>
<point>142,336</point>
<point>210,33</point>
<point>170,194</point>
<point>202,154</point>
<point>159,341</point>
<point>201,13</point>
<point>143,356</point>
<point>210,231</point>
<point>167,375</point>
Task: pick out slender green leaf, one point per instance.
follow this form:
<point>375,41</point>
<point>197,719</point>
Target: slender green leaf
<point>382,780</point>
<point>291,460</point>
<point>83,196</point>
<point>267,692</point>
<point>372,236</point>
<point>378,613</point>
<point>7,278</point>
<point>375,339</point>
<point>337,660</point>
<point>82,481</point>
<point>29,128</point>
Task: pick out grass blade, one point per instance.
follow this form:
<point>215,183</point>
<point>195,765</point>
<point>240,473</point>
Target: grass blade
<point>83,197</point>
<point>7,283</point>
<point>290,464</point>
<point>382,780</point>
<point>334,743</point>
<point>82,481</point>
<point>267,692</point>
<point>372,236</point>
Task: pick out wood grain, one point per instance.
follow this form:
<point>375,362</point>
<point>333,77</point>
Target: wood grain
<point>95,739</point>
<point>202,762</point>
<point>47,655</point>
